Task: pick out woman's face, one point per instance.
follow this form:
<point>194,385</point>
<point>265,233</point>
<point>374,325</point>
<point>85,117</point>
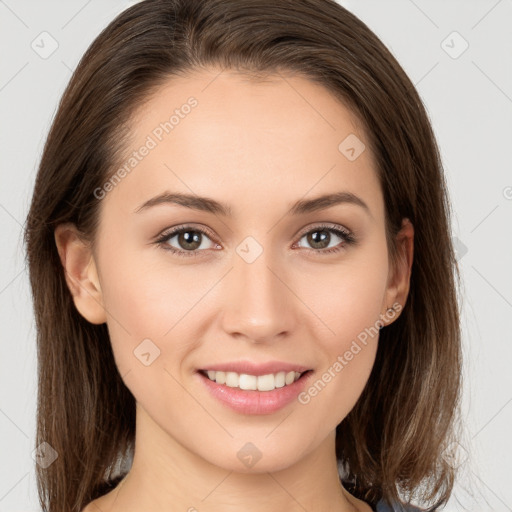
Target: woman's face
<point>261,282</point>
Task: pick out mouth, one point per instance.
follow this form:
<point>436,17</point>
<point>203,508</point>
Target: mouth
<point>247,393</point>
<point>249,382</point>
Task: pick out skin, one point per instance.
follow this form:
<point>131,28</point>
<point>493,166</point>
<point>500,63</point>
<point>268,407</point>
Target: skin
<point>258,146</point>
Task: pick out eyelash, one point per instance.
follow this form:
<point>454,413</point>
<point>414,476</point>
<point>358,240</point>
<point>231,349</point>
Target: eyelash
<point>347,236</point>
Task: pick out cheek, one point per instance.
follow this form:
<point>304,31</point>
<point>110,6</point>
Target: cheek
<point>144,300</point>
<point>346,299</point>
<point>151,329</point>
<point>347,336</point>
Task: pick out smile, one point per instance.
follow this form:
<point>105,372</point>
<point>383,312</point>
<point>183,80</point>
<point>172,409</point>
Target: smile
<point>267,382</point>
<point>246,393</point>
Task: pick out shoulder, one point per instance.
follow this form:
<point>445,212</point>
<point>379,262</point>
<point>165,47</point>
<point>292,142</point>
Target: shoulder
<point>99,504</point>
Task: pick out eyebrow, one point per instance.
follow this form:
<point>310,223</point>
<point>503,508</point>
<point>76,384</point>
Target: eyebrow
<point>209,205</point>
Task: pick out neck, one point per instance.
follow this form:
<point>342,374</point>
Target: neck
<point>165,475</point>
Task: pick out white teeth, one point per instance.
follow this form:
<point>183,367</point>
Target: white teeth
<point>267,382</point>
<point>232,379</point>
<point>279,379</point>
<point>247,381</point>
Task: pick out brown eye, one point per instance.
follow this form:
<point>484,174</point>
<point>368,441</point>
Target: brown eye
<point>189,241</point>
<point>320,238</point>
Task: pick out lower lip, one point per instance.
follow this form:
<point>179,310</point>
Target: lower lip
<point>255,402</point>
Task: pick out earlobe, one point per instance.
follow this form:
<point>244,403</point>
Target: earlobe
<point>80,272</point>
<point>398,287</point>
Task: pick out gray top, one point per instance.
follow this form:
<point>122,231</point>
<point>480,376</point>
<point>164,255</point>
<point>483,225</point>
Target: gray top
<point>383,506</point>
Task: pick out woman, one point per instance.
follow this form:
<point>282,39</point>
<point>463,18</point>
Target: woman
<point>242,270</point>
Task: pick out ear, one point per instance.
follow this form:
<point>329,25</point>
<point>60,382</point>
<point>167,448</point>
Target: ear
<point>80,272</point>
<point>397,290</point>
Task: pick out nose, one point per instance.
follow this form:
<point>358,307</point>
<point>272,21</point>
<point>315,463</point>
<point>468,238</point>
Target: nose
<point>259,304</point>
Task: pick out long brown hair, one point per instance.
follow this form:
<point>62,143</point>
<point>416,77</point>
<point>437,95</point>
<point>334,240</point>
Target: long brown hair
<point>394,441</point>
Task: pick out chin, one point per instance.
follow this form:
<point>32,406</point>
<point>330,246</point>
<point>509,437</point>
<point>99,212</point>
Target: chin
<point>254,457</point>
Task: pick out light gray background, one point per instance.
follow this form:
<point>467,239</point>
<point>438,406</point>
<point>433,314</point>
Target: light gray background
<point>469,100</point>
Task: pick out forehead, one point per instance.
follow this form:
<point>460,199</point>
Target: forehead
<point>242,138</point>
<point>227,99</point>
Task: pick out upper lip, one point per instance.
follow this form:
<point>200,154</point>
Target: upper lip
<point>252,368</point>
